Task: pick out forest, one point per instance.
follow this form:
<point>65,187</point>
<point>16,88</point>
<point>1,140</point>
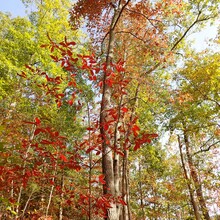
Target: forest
<point>108,111</point>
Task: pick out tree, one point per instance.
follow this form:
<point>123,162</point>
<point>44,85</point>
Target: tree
<point>198,101</point>
<point>21,100</point>
<point>115,17</point>
<point>85,172</point>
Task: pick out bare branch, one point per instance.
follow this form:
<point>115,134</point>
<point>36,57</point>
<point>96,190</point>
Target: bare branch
<point>206,149</point>
<point>190,27</point>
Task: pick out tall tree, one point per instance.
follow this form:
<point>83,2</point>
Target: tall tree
<point>108,145</point>
<point>197,104</point>
<point>146,24</point>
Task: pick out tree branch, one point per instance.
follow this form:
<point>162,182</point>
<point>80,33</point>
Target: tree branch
<point>206,149</point>
<point>148,19</point>
<point>190,27</point>
<point>128,32</point>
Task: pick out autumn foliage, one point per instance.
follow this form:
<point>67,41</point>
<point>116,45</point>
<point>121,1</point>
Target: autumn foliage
<point>79,137</point>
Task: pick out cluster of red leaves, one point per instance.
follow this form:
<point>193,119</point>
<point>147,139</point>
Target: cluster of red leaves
<point>115,79</point>
<point>33,153</point>
<point>129,130</point>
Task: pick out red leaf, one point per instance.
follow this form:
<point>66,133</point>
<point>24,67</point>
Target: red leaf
<point>98,152</point>
<point>55,58</point>
<point>124,109</point>
<point>23,74</point>
<point>46,142</point>
<point>120,153</point>
<point>59,103</point>
<point>106,126</point>
<point>135,130</point>
<point>30,68</point>
<point>101,179</point>
<point>122,201</point>
<point>71,83</point>
<point>100,83</point>
<point>11,200</point>
<point>63,158</point>
<point>74,59</point>
<point>56,133</point>
<point>70,102</point>
<point>137,146</point>
<point>61,95</point>
<point>71,43</point>
<point>109,82</point>
<point>69,53</point>
<point>37,131</point>
<point>154,135</point>
<point>62,63</point>
<point>90,149</point>
<point>29,122</point>
<point>89,129</point>
<point>37,121</point>
<point>146,138</point>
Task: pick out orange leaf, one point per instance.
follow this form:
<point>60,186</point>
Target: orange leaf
<point>59,103</point>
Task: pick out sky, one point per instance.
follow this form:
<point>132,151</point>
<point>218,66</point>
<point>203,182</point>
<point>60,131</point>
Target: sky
<point>16,8</point>
<point>201,38</point>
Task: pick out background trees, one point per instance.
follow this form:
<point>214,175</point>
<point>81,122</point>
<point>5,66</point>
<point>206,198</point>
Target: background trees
<point>83,123</point>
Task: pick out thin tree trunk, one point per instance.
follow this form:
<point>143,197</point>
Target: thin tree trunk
<point>90,166</point>
<point>192,199</point>
<point>195,178</point>
<point>61,198</point>
<point>126,213</point>
<point>123,190</point>
<point>127,188</point>
<point>110,165</point>
<point>27,202</point>
<point>141,192</point>
<point>49,201</point>
<point>24,170</point>
<point>51,191</point>
<point>127,200</point>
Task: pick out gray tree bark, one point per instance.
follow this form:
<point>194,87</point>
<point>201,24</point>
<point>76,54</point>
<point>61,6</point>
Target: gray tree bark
<point>195,178</point>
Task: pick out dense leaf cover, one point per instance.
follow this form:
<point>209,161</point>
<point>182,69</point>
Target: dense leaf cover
<point>98,121</point>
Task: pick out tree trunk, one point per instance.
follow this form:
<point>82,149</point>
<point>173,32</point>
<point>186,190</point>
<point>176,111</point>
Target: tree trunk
<point>52,189</point>
<point>24,170</point>
<point>61,197</point>
<point>126,213</point>
<point>90,165</point>
<point>127,186</point>
<point>195,178</point>
<point>192,199</point>
<point>110,164</point>
<point>141,192</point>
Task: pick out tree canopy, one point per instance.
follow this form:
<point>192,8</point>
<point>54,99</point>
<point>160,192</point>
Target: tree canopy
<point>107,111</point>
